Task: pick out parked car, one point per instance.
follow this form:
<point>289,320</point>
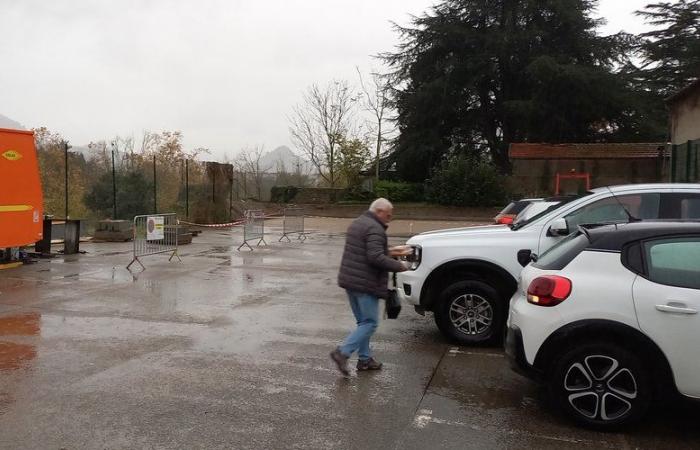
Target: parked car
<point>608,319</point>
<point>466,276</point>
<point>512,209</point>
<point>538,206</point>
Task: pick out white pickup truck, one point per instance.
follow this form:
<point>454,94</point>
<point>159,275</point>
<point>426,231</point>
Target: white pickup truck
<point>466,276</point>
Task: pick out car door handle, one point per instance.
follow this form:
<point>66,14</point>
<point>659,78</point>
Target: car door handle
<point>676,309</point>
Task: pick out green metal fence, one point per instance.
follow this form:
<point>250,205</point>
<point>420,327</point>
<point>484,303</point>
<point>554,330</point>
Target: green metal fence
<point>115,185</point>
<point>685,162</point>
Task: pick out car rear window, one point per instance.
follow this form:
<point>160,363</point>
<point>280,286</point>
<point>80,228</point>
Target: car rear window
<point>515,207</point>
<point>559,256</point>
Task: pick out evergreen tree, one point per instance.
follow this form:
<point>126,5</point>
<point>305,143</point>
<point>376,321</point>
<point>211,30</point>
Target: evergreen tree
<point>671,52</point>
<point>473,76</point>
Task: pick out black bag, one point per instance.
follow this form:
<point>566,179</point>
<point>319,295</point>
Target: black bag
<point>393,304</point>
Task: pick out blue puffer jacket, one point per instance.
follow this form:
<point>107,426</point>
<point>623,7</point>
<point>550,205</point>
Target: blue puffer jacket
<point>365,264</point>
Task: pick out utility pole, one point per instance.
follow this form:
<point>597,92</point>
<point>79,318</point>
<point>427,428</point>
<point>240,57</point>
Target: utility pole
<point>214,167</point>
<point>230,193</point>
<point>65,158</point>
<point>114,187</point>
<point>187,188</point>
<point>155,188</point>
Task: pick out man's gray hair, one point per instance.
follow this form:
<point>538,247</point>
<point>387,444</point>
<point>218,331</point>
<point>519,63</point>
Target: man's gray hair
<point>380,204</point>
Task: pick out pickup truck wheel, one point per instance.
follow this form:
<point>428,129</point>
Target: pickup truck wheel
<point>470,313</point>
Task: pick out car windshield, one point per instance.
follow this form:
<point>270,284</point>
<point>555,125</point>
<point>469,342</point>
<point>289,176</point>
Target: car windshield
<point>563,202</point>
<point>562,253</point>
<point>533,209</point>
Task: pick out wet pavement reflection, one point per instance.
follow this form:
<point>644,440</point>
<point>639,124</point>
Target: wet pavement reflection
<point>15,355</point>
<point>230,349</point>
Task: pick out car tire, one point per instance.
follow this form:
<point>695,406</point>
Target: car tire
<point>601,385</point>
<point>470,313</point>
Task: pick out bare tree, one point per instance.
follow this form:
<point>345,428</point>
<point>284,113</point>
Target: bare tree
<point>376,100</point>
<point>320,122</point>
<point>149,142</point>
<point>248,162</point>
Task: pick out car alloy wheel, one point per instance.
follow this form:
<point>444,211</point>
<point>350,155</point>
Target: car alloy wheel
<point>601,384</point>
<point>471,314</point>
<point>600,388</point>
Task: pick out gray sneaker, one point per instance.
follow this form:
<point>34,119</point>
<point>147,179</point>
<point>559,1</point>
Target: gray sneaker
<point>341,361</point>
<point>368,364</point>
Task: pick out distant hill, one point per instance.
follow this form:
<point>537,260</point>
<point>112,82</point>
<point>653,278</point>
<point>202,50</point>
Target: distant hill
<point>284,158</point>
<point>6,122</point>
<point>83,150</point>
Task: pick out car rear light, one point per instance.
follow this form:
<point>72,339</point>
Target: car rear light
<point>548,290</point>
<point>505,220</point>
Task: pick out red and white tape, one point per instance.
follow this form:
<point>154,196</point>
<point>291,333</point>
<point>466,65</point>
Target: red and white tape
<point>214,225</point>
<point>226,225</point>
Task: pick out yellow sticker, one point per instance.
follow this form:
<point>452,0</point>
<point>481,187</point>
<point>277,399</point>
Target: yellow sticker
<point>12,155</point>
<point>16,208</point>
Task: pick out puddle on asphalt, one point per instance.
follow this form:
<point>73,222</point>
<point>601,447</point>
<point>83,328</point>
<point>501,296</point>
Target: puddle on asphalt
<point>13,283</point>
<point>15,355</point>
<point>128,252</point>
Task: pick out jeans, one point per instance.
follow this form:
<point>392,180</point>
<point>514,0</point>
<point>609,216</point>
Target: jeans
<point>365,307</point>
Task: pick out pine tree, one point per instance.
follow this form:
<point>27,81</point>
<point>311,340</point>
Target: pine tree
<point>671,52</point>
<point>473,76</point>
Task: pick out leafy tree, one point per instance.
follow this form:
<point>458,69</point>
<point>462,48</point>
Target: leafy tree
<point>472,76</point>
<point>461,180</point>
<point>353,157</point>
<point>671,51</point>
<point>50,148</point>
<point>133,195</point>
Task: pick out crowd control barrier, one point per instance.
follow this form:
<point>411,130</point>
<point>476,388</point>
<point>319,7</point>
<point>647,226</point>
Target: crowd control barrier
<point>293,223</point>
<point>253,228</point>
<point>154,234</point>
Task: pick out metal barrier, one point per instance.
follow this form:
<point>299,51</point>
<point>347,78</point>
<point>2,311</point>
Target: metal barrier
<point>253,228</point>
<point>293,223</point>
<point>155,234</point>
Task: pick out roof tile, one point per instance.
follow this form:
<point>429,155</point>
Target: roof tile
<point>587,151</point>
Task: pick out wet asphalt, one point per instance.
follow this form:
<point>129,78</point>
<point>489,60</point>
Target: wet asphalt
<point>229,349</point>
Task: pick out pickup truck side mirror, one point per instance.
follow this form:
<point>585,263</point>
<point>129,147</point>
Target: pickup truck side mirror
<point>558,228</point>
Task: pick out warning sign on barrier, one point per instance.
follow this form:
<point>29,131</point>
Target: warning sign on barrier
<point>155,228</point>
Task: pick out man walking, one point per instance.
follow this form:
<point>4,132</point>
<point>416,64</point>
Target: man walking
<point>364,275</point>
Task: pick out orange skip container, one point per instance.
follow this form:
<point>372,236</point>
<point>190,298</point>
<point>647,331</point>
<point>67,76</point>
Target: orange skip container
<point>21,199</point>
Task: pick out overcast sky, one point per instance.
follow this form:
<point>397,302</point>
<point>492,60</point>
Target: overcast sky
<point>224,72</point>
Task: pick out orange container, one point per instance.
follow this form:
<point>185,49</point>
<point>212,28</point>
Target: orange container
<point>21,200</point>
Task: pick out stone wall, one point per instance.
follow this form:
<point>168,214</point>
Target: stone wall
<point>535,178</point>
<point>311,195</point>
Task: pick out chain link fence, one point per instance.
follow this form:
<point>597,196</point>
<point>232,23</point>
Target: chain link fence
<point>109,184</point>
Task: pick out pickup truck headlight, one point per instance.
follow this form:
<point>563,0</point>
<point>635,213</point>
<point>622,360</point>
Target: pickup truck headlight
<point>414,258</point>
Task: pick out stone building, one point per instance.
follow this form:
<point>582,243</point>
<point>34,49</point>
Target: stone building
<point>684,109</point>
<point>684,122</point>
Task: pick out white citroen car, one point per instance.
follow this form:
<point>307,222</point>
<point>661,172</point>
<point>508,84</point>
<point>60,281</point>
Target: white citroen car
<point>608,319</point>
